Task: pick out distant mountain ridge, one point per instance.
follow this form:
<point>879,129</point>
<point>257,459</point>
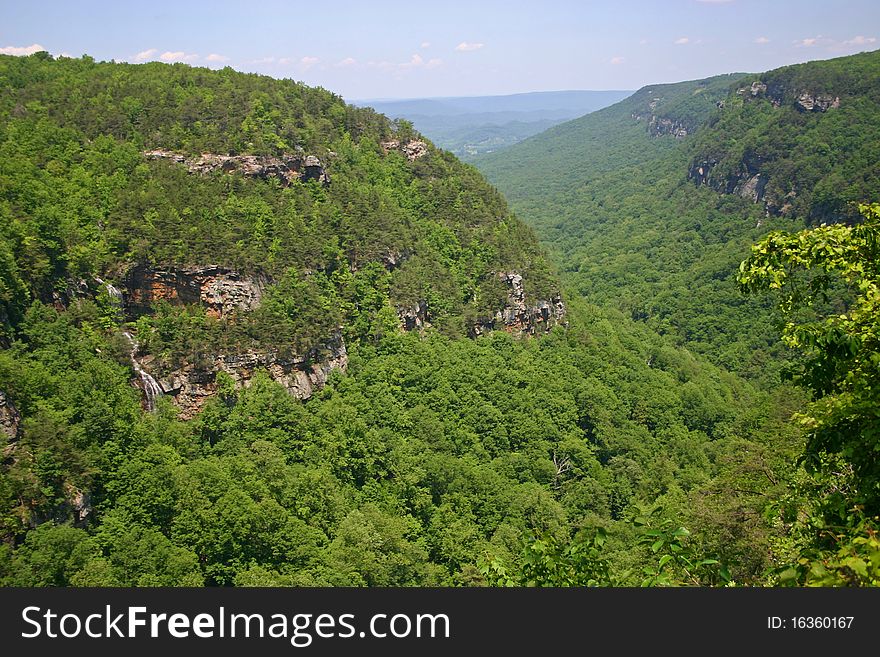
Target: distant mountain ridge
<point>469,125</point>
<point>652,203</point>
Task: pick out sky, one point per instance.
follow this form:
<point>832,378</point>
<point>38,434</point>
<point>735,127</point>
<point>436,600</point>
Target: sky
<point>392,49</point>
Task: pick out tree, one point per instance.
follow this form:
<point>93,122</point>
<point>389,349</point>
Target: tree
<point>839,340</point>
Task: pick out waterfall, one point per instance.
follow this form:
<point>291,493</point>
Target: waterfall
<point>116,298</point>
<point>114,293</point>
<point>152,390</point>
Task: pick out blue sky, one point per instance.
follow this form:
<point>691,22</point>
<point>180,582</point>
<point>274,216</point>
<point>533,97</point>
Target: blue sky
<point>389,49</point>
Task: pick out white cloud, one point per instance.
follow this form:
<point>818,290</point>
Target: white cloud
<point>214,57</point>
<point>178,56</point>
<point>307,62</point>
<point>860,41</point>
<point>682,41</point>
<point>20,51</point>
<point>806,43</point>
<point>465,46</point>
<point>761,40</point>
<point>617,60</point>
<point>264,60</point>
<point>348,61</point>
<point>417,61</point>
<point>426,44</point>
<point>144,55</point>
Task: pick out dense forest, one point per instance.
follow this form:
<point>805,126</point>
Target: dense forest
<point>649,207</point>
<point>252,335</point>
<point>618,197</point>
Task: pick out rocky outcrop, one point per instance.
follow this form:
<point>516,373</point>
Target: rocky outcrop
<point>807,102</point>
<point>302,375</point>
<point>700,171</point>
<point>518,316</point>
<point>757,88</point>
<point>286,169</point>
<point>412,150</point>
<point>222,291</point>
<point>413,318</point>
<point>10,422</point>
<point>747,180</point>
<point>79,503</point>
<point>658,126</point>
<point>753,188</point>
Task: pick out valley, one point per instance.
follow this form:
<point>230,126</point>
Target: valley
<point>255,336</point>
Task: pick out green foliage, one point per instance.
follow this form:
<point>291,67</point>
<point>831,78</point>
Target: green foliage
<point>679,562</point>
<point>548,562</point>
<point>431,450</point>
<point>816,164</point>
<point>614,205</point>
<point>79,201</point>
<point>841,348</point>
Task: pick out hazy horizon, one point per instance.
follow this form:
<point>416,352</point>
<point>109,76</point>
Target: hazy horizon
<point>395,50</point>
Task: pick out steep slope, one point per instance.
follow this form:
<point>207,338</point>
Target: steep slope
<point>803,141</point>
<point>629,197</point>
<point>189,261</point>
<point>296,221</point>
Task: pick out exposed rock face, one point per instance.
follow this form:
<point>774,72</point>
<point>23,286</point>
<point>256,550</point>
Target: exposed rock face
<point>76,289</point>
<point>413,149</point>
<point>659,125</point>
<point>223,291</point>
<point>314,170</point>
<point>190,387</point>
<point>10,420</point>
<point>758,88</point>
<point>808,102</point>
<point>413,318</point>
<point>753,188</point>
<point>286,169</point>
<point>747,181</point>
<point>700,171</point>
<point>393,259</point>
<point>518,316</point>
<point>79,501</point>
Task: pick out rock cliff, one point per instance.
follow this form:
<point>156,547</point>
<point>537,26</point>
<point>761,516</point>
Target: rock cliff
<point>518,316</point>
<point>748,176</point>
<point>222,291</point>
<point>412,150</point>
<point>302,375</point>
<point>10,420</point>
<point>808,102</point>
<point>286,169</point>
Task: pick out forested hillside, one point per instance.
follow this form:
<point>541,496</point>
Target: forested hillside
<point>651,204</point>
<point>254,336</point>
